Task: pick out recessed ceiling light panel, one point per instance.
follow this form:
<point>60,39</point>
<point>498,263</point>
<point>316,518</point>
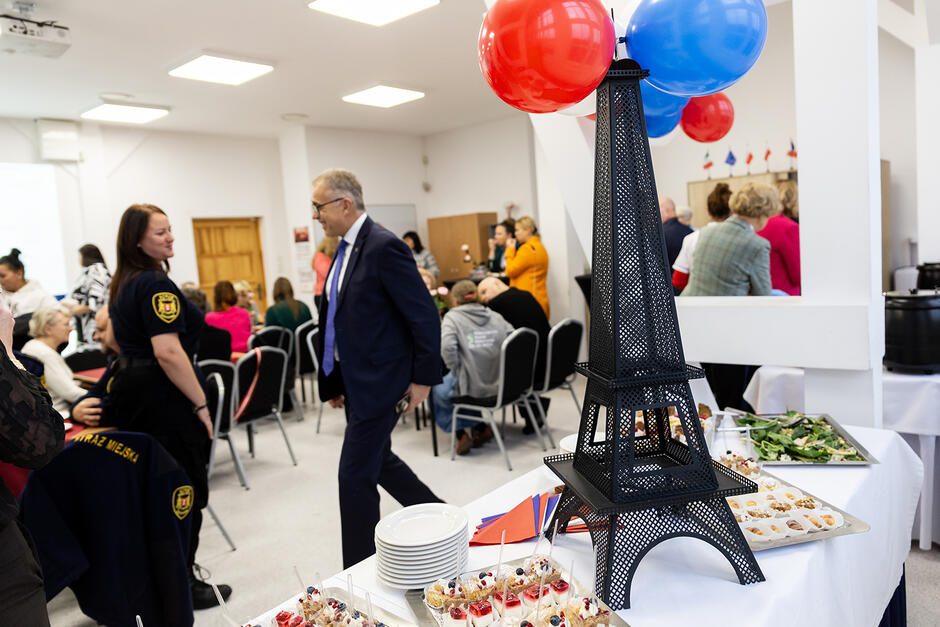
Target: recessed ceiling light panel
<point>124,113</point>
<point>213,68</point>
<point>373,12</point>
<point>383,96</point>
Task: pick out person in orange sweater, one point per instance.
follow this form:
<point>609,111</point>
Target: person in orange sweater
<point>527,262</point>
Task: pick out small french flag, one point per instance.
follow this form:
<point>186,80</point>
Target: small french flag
<point>767,155</point>
<point>749,158</point>
<point>708,162</point>
<point>792,152</point>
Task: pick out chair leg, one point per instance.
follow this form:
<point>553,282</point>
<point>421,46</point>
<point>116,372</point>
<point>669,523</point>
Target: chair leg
<point>221,528</point>
<point>453,435</point>
<point>499,438</point>
<point>280,423</point>
<point>239,469</point>
<point>418,418</point>
<point>319,417</point>
<point>504,421</point>
<point>514,421</point>
<point>303,390</point>
<point>573,396</point>
<point>534,422</point>
<point>538,403</point>
<point>298,408</point>
<point>432,426</point>
<point>251,439</point>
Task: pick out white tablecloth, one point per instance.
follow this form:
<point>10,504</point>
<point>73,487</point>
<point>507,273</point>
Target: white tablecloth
<point>911,407</point>
<point>843,581</point>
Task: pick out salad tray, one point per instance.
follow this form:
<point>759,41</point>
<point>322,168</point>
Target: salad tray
<point>741,421</point>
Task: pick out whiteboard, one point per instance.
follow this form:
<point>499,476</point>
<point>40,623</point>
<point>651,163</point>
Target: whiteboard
<point>29,206</point>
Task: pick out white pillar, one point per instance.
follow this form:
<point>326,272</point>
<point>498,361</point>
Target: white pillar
<point>837,119</point>
<point>927,90</point>
<point>295,177</point>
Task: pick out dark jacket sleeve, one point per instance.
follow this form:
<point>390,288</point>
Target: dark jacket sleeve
<point>400,278</point>
<point>98,390</point>
<point>31,431</point>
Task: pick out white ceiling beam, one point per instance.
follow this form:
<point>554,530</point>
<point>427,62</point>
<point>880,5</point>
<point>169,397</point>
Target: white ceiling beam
<point>910,28</point>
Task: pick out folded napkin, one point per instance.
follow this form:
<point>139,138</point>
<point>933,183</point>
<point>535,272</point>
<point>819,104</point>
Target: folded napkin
<point>528,519</point>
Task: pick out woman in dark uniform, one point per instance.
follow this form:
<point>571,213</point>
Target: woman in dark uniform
<point>156,389</point>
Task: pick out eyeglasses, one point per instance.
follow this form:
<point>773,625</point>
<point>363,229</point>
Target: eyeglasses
<point>317,206</point>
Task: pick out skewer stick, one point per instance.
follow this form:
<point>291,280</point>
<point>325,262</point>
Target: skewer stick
<point>319,583</point>
<point>349,588</point>
<point>225,612</point>
<point>554,535</point>
<point>538,601</point>
<point>300,580</point>
<point>372,617</point>
<point>499,560</point>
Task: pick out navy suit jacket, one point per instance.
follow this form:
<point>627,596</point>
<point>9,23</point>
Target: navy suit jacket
<point>387,327</point>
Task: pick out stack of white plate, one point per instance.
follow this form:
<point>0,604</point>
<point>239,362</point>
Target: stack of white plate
<point>420,544</point>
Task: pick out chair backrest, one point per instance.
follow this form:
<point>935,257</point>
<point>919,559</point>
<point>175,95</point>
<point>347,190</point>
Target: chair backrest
<point>214,343</point>
<point>30,364</point>
<point>268,394</point>
<point>306,357</point>
<point>564,344</point>
<point>517,365</point>
<point>225,370</point>
<point>278,337</point>
<point>215,399</point>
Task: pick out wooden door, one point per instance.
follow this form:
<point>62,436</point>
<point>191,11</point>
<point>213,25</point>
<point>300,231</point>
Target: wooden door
<point>229,249</point>
<point>447,235</point>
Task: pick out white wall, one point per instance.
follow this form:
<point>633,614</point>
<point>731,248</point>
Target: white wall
<point>188,175</point>
<point>480,168</point>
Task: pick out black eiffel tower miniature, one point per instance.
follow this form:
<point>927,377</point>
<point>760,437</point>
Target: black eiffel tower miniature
<point>639,485</point>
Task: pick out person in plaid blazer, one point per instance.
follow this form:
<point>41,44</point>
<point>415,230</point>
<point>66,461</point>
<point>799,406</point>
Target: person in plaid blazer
<point>730,258</point>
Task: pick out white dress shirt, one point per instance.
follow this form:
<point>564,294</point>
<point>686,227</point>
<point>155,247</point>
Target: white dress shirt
<point>350,239</point>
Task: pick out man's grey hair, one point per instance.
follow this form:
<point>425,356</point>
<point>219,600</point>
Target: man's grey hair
<point>342,182</point>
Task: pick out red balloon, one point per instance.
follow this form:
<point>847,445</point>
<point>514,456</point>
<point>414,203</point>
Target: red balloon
<point>708,118</point>
<point>543,55</point>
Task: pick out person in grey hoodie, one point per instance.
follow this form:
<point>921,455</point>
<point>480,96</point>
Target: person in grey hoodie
<point>471,337</point>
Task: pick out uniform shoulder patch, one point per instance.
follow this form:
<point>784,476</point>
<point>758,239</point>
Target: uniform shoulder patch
<point>167,306</point>
<point>182,501</point>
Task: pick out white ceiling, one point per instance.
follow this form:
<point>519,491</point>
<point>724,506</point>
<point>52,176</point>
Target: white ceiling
<point>129,45</point>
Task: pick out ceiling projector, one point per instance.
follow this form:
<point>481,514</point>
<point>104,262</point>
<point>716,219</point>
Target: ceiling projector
<point>20,34</point>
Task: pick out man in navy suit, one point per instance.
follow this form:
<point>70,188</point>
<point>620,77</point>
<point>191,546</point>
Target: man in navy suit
<point>379,343</point>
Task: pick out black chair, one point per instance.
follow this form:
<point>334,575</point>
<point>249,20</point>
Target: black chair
<point>32,365</point>
<point>21,331</point>
<point>307,364</point>
<point>516,371</point>
<point>564,344</point>
<point>215,399</point>
<point>214,343</point>
<point>309,339</point>
<point>262,396</point>
<point>89,359</point>
<point>282,338</point>
<point>226,371</point>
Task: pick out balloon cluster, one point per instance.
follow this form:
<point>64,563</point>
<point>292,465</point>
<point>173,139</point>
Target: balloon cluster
<point>542,56</point>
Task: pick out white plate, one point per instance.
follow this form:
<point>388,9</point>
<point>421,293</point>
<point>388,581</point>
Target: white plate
<point>389,560</point>
<point>421,567</point>
<point>449,545</point>
<point>444,571</point>
<point>421,525</point>
<point>409,581</point>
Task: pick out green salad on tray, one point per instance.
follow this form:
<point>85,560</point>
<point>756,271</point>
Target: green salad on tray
<point>813,440</point>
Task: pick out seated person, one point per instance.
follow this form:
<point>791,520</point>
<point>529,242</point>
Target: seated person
<point>228,316</point>
<point>246,300</point>
<point>520,309</point>
<point>471,338</point>
<point>92,408</point>
<point>49,329</point>
<point>286,311</point>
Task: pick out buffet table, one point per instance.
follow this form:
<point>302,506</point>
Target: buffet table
<point>842,581</point>
<point>911,407</point>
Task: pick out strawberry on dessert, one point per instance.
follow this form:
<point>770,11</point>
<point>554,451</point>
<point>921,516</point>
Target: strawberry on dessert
<point>456,616</point>
<point>510,606</point>
<point>560,591</point>
<point>297,621</point>
<point>283,618</point>
<point>534,595</point>
<point>481,613</point>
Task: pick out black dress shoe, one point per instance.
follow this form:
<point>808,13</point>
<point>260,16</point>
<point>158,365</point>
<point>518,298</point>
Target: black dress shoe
<point>204,596</point>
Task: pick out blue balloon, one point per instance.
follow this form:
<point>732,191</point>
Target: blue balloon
<point>657,102</point>
<point>659,125</point>
<point>697,47</point>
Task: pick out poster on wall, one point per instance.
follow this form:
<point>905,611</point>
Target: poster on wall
<point>303,256</point>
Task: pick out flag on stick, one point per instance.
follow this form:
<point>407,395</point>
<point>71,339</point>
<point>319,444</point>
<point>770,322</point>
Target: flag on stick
<point>708,162</point>
<point>730,159</point>
<point>792,152</point>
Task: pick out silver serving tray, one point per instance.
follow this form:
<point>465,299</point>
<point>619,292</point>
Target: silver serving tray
<point>435,618</point>
<point>868,458</point>
<point>852,525</point>
<point>390,619</point>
